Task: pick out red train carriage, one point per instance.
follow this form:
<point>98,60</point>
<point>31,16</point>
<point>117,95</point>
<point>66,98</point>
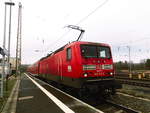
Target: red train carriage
<point>82,65</point>
<point>33,68</point>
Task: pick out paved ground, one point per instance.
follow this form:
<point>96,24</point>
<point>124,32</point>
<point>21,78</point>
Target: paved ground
<point>27,97</point>
<point>32,100</point>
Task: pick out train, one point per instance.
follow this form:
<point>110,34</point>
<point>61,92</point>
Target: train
<point>86,67</point>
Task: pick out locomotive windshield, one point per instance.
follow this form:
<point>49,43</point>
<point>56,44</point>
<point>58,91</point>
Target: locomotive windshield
<point>92,51</point>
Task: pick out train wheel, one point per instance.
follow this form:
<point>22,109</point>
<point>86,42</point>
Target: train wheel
<point>82,93</point>
<point>113,91</point>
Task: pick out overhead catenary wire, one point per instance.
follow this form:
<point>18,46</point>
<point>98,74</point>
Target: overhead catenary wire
<point>92,12</point>
<point>52,44</point>
<point>138,52</point>
<point>81,20</point>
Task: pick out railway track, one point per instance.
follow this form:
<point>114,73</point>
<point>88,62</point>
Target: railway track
<point>121,108</point>
<point>127,77</point>
<point>136,82</point>
<point>111,106</point>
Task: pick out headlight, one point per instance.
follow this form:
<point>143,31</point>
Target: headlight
<point>85,74</point>
<point>89,67</point>
<point>107,66</point>
<point>111,73</point>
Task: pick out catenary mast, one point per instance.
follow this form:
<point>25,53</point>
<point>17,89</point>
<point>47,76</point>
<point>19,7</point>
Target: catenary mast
<point>19,38</point>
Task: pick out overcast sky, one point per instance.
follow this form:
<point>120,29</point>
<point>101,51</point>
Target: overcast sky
<point>120,23</point>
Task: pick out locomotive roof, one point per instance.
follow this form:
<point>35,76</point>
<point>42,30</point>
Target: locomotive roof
<point>90,43</point>
<point>70,44</point>
<point>73,43</point>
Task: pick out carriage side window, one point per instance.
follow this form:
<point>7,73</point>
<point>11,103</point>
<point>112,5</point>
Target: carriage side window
<point>68,53</point>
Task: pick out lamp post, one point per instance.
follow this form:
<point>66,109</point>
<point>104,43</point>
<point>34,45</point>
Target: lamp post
<point>129,60</point>
<point>9,36</point>
<point>4,44</point>
<point>3,60</point>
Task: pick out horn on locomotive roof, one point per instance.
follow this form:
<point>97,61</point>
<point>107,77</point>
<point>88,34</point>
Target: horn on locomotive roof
<point>77,28</point>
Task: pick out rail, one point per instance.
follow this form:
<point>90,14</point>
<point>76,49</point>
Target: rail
<point>124,108</point>
<point>136,82</point>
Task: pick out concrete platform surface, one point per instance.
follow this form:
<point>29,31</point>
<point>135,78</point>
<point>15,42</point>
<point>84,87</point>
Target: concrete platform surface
<point>34,96</point>
<point>32,100</point>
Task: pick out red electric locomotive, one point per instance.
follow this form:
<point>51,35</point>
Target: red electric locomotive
<point>84,66</point>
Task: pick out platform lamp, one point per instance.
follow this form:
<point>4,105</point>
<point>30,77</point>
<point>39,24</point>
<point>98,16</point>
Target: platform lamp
<point>9,35</point>
<point>4,43</point>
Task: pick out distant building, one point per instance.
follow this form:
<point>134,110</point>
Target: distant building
<point>12,65</point>
<point>6,69</point>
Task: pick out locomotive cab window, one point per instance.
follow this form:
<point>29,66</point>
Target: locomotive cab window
<point>94,51</point>
<point>104,52</point>
<point>69,54</point>
<point>88,51</point>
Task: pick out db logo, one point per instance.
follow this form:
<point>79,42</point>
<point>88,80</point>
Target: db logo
<point>69,68</point>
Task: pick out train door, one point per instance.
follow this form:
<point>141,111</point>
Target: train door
<point>38,71</point>
<point>60,68</point>
<point>68,59</point>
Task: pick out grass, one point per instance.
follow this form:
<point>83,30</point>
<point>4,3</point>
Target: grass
<point>6,94</point>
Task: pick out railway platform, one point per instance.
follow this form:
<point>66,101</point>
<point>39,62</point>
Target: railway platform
<point>31,95</point>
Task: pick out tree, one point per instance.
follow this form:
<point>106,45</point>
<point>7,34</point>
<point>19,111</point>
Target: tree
<point>147,64</point>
